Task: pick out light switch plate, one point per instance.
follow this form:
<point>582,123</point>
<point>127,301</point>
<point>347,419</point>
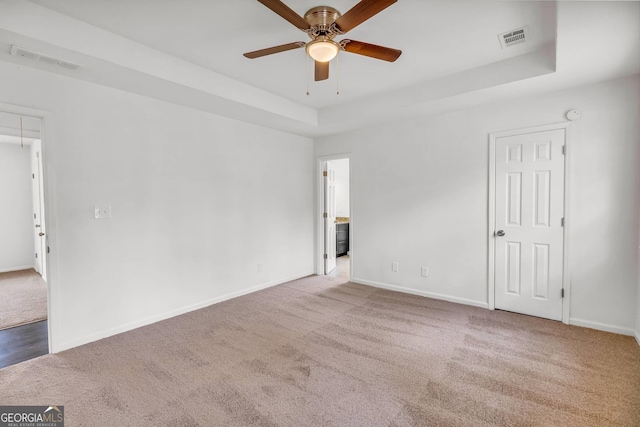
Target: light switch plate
<point>103,211</point>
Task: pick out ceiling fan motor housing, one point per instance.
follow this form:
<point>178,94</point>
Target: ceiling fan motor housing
<point>321,19</point>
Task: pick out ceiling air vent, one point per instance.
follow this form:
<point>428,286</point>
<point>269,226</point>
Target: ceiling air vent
<point>35,56</point>
<point>514,37</point>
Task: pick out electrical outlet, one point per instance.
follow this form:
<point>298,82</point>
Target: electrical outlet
<point>395,267</point>
<point>424,272</point>
<point>103,212</point>
<point>259,267</point>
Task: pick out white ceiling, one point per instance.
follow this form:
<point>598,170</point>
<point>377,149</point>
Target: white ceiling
<point>214,34</point>
<point>190,52</point>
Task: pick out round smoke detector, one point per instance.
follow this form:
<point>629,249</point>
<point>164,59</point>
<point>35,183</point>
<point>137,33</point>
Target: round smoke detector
<point>573,114</point>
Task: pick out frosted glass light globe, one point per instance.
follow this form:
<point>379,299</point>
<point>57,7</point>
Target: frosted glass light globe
<point>322,50</point>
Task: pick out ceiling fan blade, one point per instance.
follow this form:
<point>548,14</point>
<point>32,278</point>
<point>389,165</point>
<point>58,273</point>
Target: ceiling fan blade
<point>361,12</point>
<point>321,71</point>
<point>284,11</point>
<point>371,50</point>
<point>274,49</point>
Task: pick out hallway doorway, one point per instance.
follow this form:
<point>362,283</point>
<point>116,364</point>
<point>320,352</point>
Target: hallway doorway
<point>335,236</point>
<point>23,248</point>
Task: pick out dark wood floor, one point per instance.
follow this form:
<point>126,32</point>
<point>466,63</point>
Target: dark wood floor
<point>23,343</point>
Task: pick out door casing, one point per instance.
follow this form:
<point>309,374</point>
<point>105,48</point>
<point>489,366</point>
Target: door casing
<point>566,279</point>
<point>46,152</point>
<point>320,209</point>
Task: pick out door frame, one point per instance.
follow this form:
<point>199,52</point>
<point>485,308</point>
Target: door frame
<point>47,154</point>
<point>566,271</point>
<point>319,252</point>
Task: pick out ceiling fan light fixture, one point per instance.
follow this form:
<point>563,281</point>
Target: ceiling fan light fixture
<point>321,24</point>
<point>322,50</point>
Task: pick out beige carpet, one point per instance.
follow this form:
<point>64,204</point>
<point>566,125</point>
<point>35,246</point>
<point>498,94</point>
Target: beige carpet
<point>322,352</point>
<point>23,298</point>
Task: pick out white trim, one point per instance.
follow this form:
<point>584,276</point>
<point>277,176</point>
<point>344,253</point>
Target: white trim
<point>404,290</point>
<point>24,267</point>
<point>173,313</point>
<point>636,334</point>
<point>48,154</point>
<point>566,271</point>
<point>491,225</point>
<point>319,264</point>
<point>602,327</point>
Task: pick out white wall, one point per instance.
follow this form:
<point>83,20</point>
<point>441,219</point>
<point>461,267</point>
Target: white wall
<point>341,168</point>
<point>420,198</point>
<point>198,201</point>
<point>16,221</point>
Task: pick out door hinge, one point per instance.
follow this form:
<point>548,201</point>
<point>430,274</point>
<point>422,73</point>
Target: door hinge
<point>36,255</point>
<point>562,292</point>
<point>48,249</point>
<point>562,222</point>
<point>33,176</point>
<point>324,215</point>
<point>564,150</point>
<point>324,173</point>
<point>326,256</point>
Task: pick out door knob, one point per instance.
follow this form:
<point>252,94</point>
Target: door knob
<point>500,233</point>
<point>41,234</point>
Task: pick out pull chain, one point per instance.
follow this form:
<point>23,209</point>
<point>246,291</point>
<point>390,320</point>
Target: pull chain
<point>307,73</point>
<point>338,74</point>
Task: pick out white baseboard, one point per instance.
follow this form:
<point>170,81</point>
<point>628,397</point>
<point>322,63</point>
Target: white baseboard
<point>637,335</point>
<point>449,298</point>
<point>602,327</point>
<point>172,313</point>
<point>24,267</point>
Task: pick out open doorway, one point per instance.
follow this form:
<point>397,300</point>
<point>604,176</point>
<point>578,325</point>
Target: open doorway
<point>23,266</point>
<point>335,211</point>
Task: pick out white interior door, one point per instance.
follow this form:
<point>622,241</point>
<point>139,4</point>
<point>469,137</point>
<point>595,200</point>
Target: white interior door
<point>329,218</point>
<point>35,184</point>
<point>529,210</point>
<point>38,217</point>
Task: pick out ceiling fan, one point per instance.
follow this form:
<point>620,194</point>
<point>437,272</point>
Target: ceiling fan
<point>323,24</point>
